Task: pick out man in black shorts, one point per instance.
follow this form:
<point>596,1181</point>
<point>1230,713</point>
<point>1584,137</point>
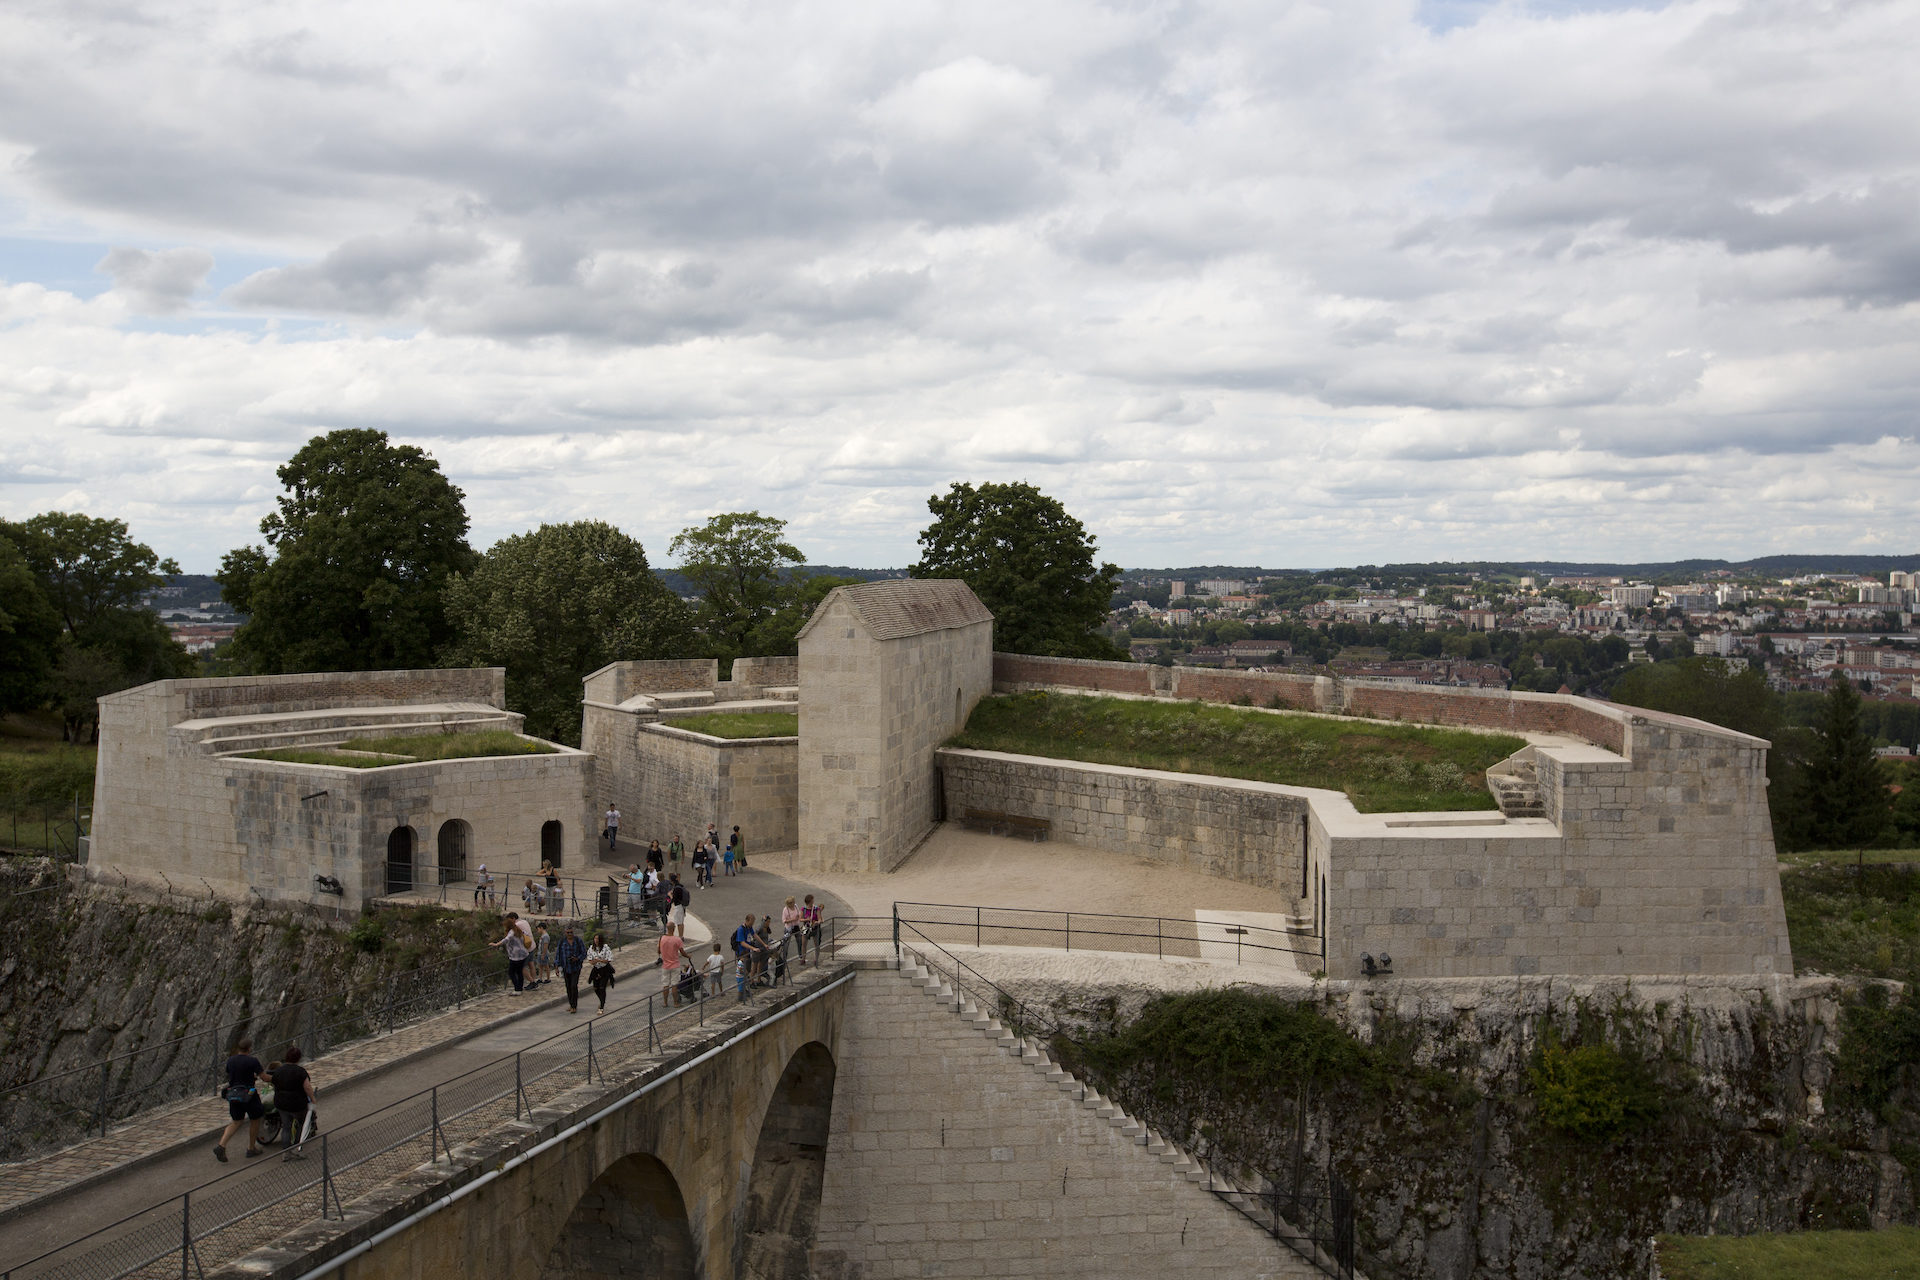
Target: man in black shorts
<point>243,1099</point>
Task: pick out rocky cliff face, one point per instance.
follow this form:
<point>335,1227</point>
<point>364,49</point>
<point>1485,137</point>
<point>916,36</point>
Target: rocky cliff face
<point>90,973</point>
<point>1459,1176</point>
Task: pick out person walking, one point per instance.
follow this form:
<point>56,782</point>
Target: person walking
<point>810,924</point>
<point>293,1095</point>
<point>613,828</point>
<point>515,945</point>
<point>674,850</point>
<point>714,967</point>
<point>702,869</point>
<point>727,859</point>
<point>242,1094</point>
<point>672,947</point>
<point>600,974</point>
<point>737,848</point>
<point>746,944</point>
<point>542,955</point>
<point>656,856</point>
<point>677,898</point>
<point>571,957</point>
<point>790,921</point>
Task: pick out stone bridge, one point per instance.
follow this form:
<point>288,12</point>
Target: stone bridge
<point>705,1161</point>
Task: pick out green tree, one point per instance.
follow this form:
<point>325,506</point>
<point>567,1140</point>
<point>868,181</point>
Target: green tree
<point>742,564</point>
<point>554,605</point>
<point>1705,689</point>
<point>94,579</point>
<point>366,536</point>
<point>1843,784</point>
<point>1029,561</point>
<point>29,632</point>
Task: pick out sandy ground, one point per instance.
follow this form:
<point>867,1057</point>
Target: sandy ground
<point>961,866</point>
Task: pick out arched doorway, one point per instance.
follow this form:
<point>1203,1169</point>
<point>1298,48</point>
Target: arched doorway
<point>400,860</point>
<point>789,1164</point>
<point>550,834</point>
<point>631,1222</point>
<point>456,841</point>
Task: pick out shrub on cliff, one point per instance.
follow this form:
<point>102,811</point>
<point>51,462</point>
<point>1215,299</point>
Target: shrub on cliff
<point>1591,1091</point>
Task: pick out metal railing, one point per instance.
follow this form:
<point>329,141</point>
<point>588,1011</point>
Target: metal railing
<point>65,1107</point>
<point>1160,936</point>
<point>528,892</point>
<point>1310,1210</point>
<point>194,1233</point>
<point>39,826</point>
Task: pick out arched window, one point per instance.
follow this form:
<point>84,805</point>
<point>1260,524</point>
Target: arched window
<point>456,842</point>
<point>400,860</point>
<point>550,841</point>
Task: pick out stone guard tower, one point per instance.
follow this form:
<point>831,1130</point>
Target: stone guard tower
<point>888,671</point>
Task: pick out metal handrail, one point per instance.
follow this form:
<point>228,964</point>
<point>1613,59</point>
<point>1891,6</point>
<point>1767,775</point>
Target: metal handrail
<point>1247,941</point>
<point>131,1244</point>
<point>65,1116</point>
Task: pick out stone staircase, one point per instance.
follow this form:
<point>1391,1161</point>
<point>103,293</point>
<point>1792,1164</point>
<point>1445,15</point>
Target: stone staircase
<point>1517,791</point>
<point>1252,1203</point>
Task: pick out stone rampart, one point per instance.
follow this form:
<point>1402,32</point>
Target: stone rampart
<point>618,681</point>
<point>767,673</point>
<point>1248,831</point>
<point>682,779</point>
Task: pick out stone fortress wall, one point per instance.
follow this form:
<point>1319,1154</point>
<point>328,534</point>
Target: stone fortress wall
<point>641,722</point>
<point>889,670</point>
<point>1654,854</point>
<point>174,804</point>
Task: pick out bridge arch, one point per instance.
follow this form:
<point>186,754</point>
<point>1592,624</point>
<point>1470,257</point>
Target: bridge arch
<point>632,1221</point>
<point>782,1210</point>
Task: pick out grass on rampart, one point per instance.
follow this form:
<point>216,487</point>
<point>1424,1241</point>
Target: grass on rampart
<point>415,748</point>
<point>1382,768</point>
<point>1830,1255</point>
<point>1849,920</point>
<point>741,724</point>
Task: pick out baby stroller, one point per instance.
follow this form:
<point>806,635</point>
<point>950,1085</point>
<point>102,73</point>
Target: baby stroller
<point>687,985</point>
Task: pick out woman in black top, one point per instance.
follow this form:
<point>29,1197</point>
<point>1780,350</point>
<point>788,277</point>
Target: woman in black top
<point>292,1094</point>
<point>243,1099</point>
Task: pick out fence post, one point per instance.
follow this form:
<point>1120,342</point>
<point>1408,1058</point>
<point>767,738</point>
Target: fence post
<point>516,1085</point>
<point>433,1136</point>
<point>590,1054</point>
<point>186,1231</point>
<point>649,1023</point>
<point>1069,930</point>
<point>390,979</point>
<point>976,926</point>
<point>103,1099</point>
<point>896,933</point>
<point>1159,938</point>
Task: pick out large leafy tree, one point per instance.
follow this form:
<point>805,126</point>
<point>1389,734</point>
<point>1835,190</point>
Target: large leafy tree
<point>1028,561</point>
<point>365,538</point>
<point>29,632</point>
<point>93,579</point>
<point>557,604</point>
<point>743,566</point>
<point>1705,689</point>
<point>1843,786</point>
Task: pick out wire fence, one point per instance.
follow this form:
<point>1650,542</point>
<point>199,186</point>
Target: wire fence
<point>62,1108</point>
<point>194,1233</point>
<point>1164,937</point>
<point>1307,1208</point>
<point>40,826</point>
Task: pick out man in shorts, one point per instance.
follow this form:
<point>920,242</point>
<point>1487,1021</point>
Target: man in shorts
<point>678,896</point>
<point>244,1074</point>
<point>672,947</point>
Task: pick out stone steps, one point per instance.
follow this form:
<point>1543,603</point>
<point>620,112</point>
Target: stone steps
<point>1034,1054</point>
<point>1518,792</point>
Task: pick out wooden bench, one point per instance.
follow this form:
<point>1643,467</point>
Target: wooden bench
<point>997,823</point>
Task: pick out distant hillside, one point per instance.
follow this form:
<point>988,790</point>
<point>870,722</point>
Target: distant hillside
<point>1767,566</point>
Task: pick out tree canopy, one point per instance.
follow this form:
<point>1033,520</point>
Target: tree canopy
<point>554,605</point>
<point>363,543</point>
<point>1029,561</point>
<point>1843,786</point>
<point>1705,689</point>
<point>81,630</point>
<point>743,566</point>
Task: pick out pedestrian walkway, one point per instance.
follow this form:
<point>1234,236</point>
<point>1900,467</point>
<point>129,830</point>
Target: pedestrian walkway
<point>164,1152</point>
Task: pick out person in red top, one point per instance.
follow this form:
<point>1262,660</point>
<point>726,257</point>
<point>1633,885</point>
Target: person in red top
<point>672,945</point>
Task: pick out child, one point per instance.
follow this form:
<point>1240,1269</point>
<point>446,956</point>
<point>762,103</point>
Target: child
<point>728,857</point>
<point>715,968</point>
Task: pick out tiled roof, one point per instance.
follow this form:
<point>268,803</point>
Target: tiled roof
<point>894,608</point>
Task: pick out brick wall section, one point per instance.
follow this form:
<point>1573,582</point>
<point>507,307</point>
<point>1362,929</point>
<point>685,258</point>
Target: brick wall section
<point>1478,708</point>
<point>1246,831</point>
<point>947,1157</point>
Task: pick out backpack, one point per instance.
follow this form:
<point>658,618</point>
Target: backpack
<point>680,895</point>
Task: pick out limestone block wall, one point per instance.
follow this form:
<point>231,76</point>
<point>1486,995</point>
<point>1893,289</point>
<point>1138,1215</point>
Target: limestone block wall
<point>1254,832</point>
<point>948,1157</point>
<point>316,691</point>
<point>681,780</point>
<point>872,712</point>
<point>618,681</point>
<point>767,673</point>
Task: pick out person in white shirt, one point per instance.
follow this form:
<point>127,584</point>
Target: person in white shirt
<point>600,968</point>
<point>613,828</point>
<point>714,968</point>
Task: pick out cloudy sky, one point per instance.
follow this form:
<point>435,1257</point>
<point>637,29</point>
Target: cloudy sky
<point>1277,282</point>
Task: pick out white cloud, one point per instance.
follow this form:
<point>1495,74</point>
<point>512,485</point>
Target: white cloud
<point>1303,283</point>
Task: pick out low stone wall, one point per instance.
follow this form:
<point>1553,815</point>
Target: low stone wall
<point>767,673</point>
<point>682,780</point>
<point>1253,832</point>
<point>1425,704</point>
<point>618,681</point>
<point>314,691</point>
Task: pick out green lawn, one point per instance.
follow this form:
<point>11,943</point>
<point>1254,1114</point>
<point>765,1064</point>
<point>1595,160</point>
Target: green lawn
<point>418,747</point>
<point>1845,920</point>
<point>1382,768</point>
<point>742,724</point>
<point>1804,1255</point>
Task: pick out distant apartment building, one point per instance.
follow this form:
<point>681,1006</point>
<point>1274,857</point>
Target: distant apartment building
<point>1638,596</point>
<point>1176,590</point>
<point>1222,587</point>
